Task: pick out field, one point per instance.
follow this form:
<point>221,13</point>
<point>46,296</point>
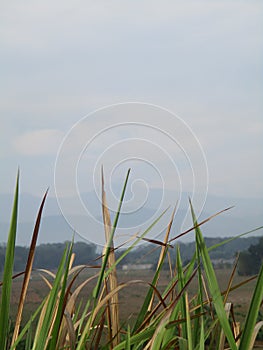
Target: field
<point>131,298</point>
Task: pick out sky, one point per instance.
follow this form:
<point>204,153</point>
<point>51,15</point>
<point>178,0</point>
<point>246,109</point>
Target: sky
<point>173,89</point>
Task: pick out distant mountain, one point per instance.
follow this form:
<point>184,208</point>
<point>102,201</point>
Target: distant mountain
<point>29,204</point>
<point>54,228</point>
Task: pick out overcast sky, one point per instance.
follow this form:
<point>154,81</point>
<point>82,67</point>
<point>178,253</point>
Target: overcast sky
<point>201,60</point>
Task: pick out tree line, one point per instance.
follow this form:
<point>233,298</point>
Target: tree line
<point>250,258</point>
<point>48,256</point>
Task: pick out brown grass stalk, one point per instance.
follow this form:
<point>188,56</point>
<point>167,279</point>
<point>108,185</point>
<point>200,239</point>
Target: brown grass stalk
<point>162,254</point>
<point>113,306</point>
<point>28,270</point>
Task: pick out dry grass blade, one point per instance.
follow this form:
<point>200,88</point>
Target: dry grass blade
<point>46,281</point>
<point>172,304</point>
<point>132,238</point>
<point>158,294</point>
<point>51,274</point>
<point>236,286</point>
<point>240,284</point>
<point>255,333</point>
<point>236,331</point>
<point>207,297</point>
<point>182,320</point>
<point>71,331</point>
<point>28,270</point>
<point>72,258</point>
<point>156,340</point>
<point>41,317</point>
<point>150,315</point>
<point>200,224</point>
<point>15,276</point>
<point>73,297</point>
<point>230,282</point>
<point>70,306</point>
<point>98,307</point>
<point>162,255</point>
<point>113,315</point>
<point>155,241</point>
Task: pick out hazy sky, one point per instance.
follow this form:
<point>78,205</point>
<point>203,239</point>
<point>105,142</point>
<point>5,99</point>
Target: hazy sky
<point>201,60</point>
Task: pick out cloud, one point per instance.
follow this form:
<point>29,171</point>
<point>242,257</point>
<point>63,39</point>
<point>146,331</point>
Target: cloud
<point>38,142</point>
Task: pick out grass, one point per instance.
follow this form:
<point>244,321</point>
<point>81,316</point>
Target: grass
<point>38,289</point>
<point>189,309</point>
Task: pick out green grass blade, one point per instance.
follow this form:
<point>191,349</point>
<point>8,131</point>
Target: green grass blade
<point>233,238</point>
<point>128,339</point>
<point>201,345</point>
<point>158,337</point>
<point>213,284</point>
<point>138,338</point>
<point>247,334</point>
<point>42,337</point>
<point>8,271</point>
<point>29,339</point>
<point>62,304</point>
<point>188,323</point>
<point>181,285</point>
<point>179,310</point>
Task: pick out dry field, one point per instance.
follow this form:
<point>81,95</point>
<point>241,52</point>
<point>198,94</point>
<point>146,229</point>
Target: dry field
<point>130,298</point>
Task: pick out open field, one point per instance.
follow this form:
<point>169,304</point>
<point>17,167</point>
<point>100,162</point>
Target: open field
<point>131,298</point>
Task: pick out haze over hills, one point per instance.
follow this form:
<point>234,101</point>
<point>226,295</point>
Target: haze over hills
<point>246,215</point>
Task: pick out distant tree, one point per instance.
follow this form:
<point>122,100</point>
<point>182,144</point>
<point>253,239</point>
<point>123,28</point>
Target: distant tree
<point>21,254</point>
<point>2,258</point>
<point>257,249</point>
<point>248,264</point>
<point>250,261</point>
<point>85,253</point>
<point>49,255</point>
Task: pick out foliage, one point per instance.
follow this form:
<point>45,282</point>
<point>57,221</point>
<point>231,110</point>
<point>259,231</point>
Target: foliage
<point>168,319</point>
<point>250,261</point>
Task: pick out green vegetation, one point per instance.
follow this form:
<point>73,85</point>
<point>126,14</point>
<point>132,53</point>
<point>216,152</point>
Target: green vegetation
<point>169,318</point>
